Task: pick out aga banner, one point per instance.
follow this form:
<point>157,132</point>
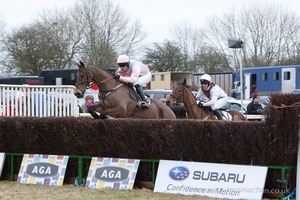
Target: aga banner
<point>43,169</point>
<point>112,173</point>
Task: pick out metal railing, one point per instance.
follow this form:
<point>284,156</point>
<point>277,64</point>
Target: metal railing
<point>154,167</point>
<point>38,100</point>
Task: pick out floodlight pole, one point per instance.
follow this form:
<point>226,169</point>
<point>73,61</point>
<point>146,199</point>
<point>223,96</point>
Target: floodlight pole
<point>238,44</point>
<point>298,166</point>
<point>241,83</point>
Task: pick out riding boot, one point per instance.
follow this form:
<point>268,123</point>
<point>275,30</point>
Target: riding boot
<point>218,114</point>
<point>144,102</point>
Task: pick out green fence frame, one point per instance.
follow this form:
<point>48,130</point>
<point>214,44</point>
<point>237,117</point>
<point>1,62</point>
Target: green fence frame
<point>154,166</point>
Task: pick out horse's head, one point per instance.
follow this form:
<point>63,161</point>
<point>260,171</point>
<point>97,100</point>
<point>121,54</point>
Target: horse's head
<point>84,80</point>
<point>178,93</point>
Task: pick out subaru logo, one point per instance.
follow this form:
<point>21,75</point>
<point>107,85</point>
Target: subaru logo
<point>179,173</point>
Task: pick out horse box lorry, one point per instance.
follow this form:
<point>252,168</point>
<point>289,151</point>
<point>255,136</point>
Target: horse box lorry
<point>268,80</point>
<point>264,80</point>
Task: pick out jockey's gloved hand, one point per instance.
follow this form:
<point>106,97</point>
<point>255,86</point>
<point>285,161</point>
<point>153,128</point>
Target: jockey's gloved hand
<point>117,76</point>
<point>200,104</point>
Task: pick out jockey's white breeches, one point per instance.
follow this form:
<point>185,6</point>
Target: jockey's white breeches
<point>220,103</point>
<point>143,80</point>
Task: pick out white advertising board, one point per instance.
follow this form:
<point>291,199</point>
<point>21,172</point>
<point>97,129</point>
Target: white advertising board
<point>2,159</point>
<point>211,180</point>
<point>112,173</point>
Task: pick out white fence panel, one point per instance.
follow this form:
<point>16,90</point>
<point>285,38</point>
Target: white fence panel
<point>38,100</point>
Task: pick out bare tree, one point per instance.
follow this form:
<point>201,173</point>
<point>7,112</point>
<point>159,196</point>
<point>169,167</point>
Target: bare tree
<point>190,42</point>
<point>3,70</point>
<point>107,31</point>
<point>94,31</point>
<point>164,57</point>
<point>199,55</point>
<point>48,43</point>
<point>64,35</point>
<point>270,33</point>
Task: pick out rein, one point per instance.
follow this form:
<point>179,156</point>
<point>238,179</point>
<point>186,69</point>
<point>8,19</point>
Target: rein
<point>107,93</point>
<point>87,83</point>
<point>103,81</point>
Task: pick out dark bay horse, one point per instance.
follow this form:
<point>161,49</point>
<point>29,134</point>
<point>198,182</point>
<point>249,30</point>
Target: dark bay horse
<point>181,93</point>
<point>116,99</point>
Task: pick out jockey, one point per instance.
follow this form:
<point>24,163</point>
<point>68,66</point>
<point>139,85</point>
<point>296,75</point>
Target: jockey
<point>211,95</point>
<point>135,72</point>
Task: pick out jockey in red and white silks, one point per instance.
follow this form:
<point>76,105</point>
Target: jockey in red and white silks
<point>211,95</point>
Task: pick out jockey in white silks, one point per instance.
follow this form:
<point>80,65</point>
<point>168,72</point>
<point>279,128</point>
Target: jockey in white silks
<point>211,95</point>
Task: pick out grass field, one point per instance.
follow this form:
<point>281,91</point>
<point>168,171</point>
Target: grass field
<point>13,190</point>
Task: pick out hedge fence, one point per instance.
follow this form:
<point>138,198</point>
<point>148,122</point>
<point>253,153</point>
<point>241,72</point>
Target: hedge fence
<point>273,142</point>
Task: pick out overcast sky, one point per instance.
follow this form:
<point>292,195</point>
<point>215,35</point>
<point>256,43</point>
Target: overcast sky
<point>157,16</point>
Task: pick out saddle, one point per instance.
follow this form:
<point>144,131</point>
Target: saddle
<point>134,95</point>
<point>211,114</point>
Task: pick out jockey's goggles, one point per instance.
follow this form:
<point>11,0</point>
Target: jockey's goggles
<point>204,82</point>
<point>123,64</point>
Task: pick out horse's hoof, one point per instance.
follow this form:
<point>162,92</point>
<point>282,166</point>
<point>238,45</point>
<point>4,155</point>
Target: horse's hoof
<point>102,116</point>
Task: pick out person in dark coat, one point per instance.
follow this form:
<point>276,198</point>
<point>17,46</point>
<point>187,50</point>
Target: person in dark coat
<point>254,107</point>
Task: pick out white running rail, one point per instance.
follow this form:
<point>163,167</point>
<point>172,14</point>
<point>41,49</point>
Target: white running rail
<point>38,100</point>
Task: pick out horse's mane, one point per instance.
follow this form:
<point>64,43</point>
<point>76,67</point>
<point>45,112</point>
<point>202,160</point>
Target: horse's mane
<point>106,71</point>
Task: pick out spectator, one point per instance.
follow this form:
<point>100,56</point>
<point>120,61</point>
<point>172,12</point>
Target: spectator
<point>254,90</point>
<point>89,101</point>
<point>254,107</point>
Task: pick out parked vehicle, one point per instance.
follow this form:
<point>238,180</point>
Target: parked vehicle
<point>158,94</point>
<point>235,104</point>
<point>296,91</point>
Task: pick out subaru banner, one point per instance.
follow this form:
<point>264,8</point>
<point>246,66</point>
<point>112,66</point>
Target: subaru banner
<point>211,180</point>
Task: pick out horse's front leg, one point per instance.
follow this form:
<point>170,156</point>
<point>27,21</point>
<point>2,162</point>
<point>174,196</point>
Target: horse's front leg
<point>99,109</point>
<point>115,111</point>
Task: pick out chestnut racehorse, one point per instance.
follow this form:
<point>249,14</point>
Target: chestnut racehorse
<point>117,99</point>
<point>181,93</point>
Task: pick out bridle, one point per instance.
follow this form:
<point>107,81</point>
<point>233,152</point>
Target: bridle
<point>182,95</point>
<point>88,84</point>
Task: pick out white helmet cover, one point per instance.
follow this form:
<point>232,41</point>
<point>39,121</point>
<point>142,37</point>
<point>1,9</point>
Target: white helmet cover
<point>205,77</point>
<point>123,59</point>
